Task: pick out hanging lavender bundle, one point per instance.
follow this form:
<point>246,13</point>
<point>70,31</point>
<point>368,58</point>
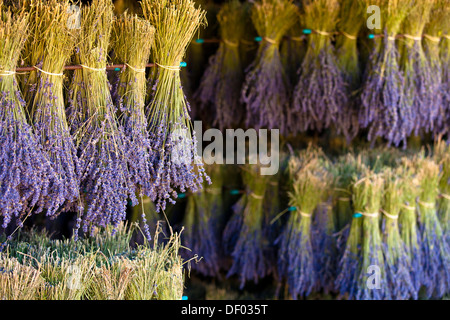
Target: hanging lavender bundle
<point>102,144</point>
<point>133,38</point>
<point>439,17</point>
<point>222,81</point>
<point>444,186</point>
<point>445,59</point>
<point>397,263</point>
<point>320,93</point>
<point>203,212</point>
<point>249,261</point>
<point>350,23</point>
<point>421,83</point>
<point>367,194</point>
<point>295,255</point>
<point>266,86</point>
<point>53,40</point>
<point>25,173</point>
<point>383,105</point>
<point>435,249</point>
<point>174,157</point>
<point>292,52</point>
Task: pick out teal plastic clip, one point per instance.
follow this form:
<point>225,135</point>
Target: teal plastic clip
<point>307,31</point>
<point>292,208</point>
<point>184,297</point>
<point>182,195</point>
<point>200,40</point>
<point>183,64</point>
<point>258,39</point>
<point>357,215</point>
<point>371,36</point>
<point>116,69</point>
<point>235,192</point>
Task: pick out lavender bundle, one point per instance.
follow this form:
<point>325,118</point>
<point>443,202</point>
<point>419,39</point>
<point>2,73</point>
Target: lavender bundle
<point>292,52</point>
<point>320,93</point>
<point>174,146</point>
<point>266,86</point>
<point>349,25</point>
<point>367,195</point>
<point>101,142</point>
<point>408,222</point>
<point>133,38</point>
<point>25,174</point>
<point>435,249</point>
<point>431,40</point>
<point>222,81</point>
<point>203,213</point>
<point>397,263</point>
<point>445,60</point>
<point>296,256</point>
<point>52,44</point>
<point>383,105</point>
<point>444,189</point>
<point>421,81</point>
<point>249,261</point>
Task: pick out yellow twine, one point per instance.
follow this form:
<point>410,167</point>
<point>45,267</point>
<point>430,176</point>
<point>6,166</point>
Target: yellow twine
<point>135,69</point>
<point>370,215</point>
<point>297,38</point>
<point>427,204</point>
<point>304,214</point>
<point>344,199</point>
<point>256,196</point>
<point>230,43</point>
<point>93,69</point>
<point>172,68</point>
<point>445,196</point>
<point>214,190</point>
<point>322,33</point>
<point>7,73</point>
<point>409,207</point>
<point>389,215</point>
<point>415,38</point>
<point>349,35</point>
<point>432,38</point>
<point>270,40</point>
<point>49,73</point>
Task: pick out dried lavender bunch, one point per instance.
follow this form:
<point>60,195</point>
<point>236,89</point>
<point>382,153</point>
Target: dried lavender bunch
<point>25,173</point>
<point>296,256</point>
<point>203,212</point>
<point>421,82</point>
<point>408,221</point>
<point>292,52</point>
<point>320,93</point>
<point>174,146</point>
<point>221,83</point>
<point>249,260</point>
<point>367,193</point>
<point>435,249</point>
<point>54,42</point>
<point>101,141</point>
<point>439,17</point>
<point>442,155</point>
<point>445,60</point>
<point>349,24</point>
<point>383,105</point>
<point>132,39</point>
<point>397,261</point>
<point>266,86</point>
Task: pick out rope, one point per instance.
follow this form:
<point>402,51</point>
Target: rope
<point>427,204</point>
<point>49,73</point>
<point>172,68</point>
<point>411,208</point>
<point>231,43</point>
<point>446,36</point>
<point>445,196</point>
<point>370,215</point>
<point>299,39</point>
<point>391,38</point>
<point>345,199</point>
<point>270,40</point>
<point>214,190</point>
<point>135,69</point>
<point>93,69</point>
<point>322,33</point>
<point>7,73</point>
<point>256,196</point>
<point>349,35</point>
<point>415,38</point>
<point>432,38</point>
<point>389,215</point>
<point>304,214</point>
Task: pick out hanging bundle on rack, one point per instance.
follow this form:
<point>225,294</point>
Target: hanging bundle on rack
<point>102,144</point>
<point>50,46</point>
<point>221,83</point>
<point>174,158</point>
<point>266,86</point>
<point>320,93</point>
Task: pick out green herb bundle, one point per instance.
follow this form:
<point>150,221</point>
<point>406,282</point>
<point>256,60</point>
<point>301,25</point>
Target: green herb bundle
<point>435,250</point>
<point>244,231</point>
<point>102,143</point>
<point>397,261</point>
<point>296,256</point>
<point>175,160</point>
<point>221,83</point>
<point>442,155</point>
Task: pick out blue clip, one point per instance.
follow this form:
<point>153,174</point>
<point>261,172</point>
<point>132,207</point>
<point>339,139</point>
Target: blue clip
<point>200,40</point>
<point>116,69</point>
<point>235,192</point>
<point>184,297</point>
<point>371,36</point>
<point>357,215</point>
<point>258,39</point>
<point>183,64</point>
<point>307,31</point>
<point>182,195</point>
<point>292,208</point>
